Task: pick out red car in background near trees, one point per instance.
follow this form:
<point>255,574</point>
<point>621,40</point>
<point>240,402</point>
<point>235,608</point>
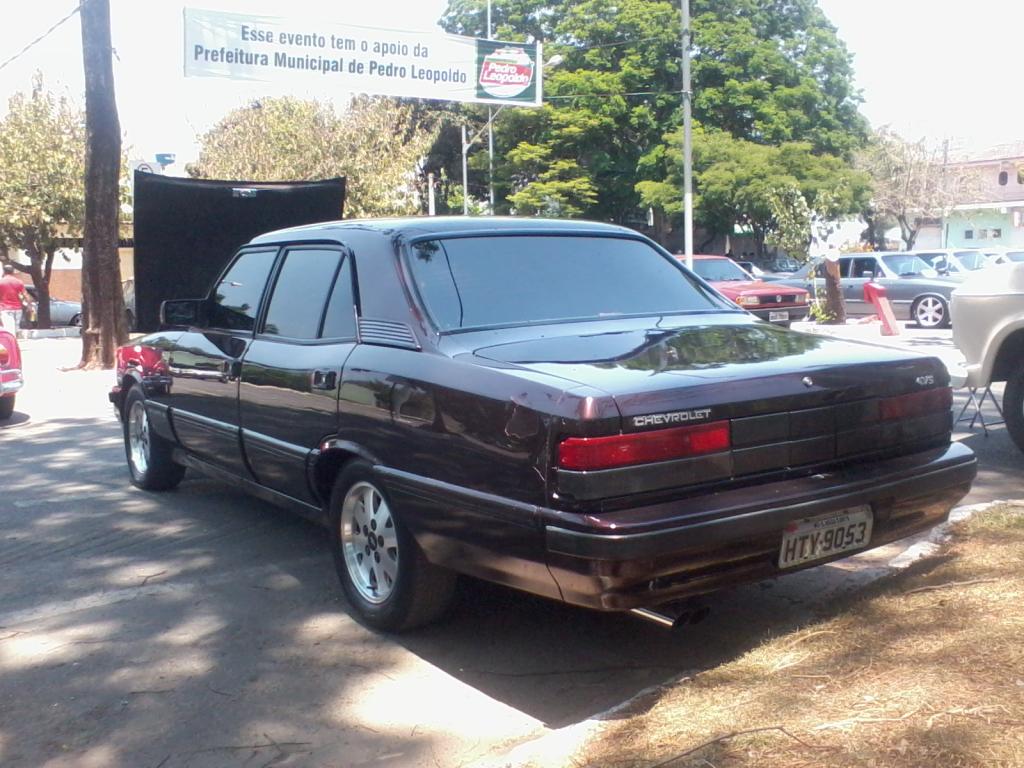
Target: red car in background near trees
<point>777,304</point>
<point>10,373</point>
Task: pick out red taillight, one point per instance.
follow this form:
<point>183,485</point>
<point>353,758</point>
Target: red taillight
<point>916,404</point>
<point>582,453</point>
<point>5,356</point>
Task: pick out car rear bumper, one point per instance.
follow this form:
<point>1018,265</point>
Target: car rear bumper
<point>11,381</point>
<point>679,549</point>
<point>646,556</point>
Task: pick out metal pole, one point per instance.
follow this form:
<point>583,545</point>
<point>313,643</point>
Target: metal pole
<point>490,158</point>
<point>687,137</point>
<point>490,129</point>
<point>465,186</point>
<point>431,208</point>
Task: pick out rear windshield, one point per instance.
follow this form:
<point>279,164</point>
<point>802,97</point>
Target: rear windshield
<point>480,282</point>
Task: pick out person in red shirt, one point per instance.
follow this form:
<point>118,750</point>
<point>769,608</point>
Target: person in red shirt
<point>12,300</point>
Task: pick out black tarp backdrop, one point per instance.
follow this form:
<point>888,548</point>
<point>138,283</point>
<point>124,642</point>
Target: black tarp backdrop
<point>187,229</point>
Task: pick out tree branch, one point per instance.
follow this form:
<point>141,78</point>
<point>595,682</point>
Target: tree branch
<point>733,735</point>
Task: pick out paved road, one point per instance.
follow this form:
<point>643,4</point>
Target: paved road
<point>204,628</point>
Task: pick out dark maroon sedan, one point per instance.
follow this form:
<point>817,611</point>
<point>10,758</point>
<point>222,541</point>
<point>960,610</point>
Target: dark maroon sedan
<point>557,406</point>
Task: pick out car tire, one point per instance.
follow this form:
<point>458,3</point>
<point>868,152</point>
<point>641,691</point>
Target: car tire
<point>388,581</point>
<point>930,312</point>
<point>6,408</point>
<point>1013,405</point>
<point>150,462</point>
<point>76,320</point>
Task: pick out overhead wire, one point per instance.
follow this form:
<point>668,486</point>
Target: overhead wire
<point>43,36</point>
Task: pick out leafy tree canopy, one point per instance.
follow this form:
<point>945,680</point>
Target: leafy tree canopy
<point>739,182</point>
<point>42,194</point>
<point>763,72</point>
<point>911,182</point>
<point>376,143</point>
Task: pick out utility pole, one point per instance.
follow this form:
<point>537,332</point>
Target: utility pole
<point>490,129</point>
<point>465,182</point>
<point>103,320</point>
<point>687,137</point>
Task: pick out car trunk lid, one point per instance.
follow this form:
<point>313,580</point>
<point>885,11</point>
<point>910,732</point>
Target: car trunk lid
<point>790,399</point>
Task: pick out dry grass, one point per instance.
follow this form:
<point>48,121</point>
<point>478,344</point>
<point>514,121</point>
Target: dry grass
<point>927,671</point>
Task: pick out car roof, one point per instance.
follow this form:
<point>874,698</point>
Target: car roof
<point>443,226</point>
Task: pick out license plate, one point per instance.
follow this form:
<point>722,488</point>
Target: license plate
<point>816,538</point>
<point>776,317</point>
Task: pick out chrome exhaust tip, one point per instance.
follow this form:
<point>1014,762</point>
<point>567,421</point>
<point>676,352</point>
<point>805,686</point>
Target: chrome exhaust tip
<point>662,619</point>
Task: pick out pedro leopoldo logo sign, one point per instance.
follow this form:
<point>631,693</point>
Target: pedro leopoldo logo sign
<point>506,73</point>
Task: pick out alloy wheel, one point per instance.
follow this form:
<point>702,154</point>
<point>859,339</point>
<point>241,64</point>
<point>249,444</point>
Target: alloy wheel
<point>930,312</point>
<point>138,437</point>
<point>369,542</point>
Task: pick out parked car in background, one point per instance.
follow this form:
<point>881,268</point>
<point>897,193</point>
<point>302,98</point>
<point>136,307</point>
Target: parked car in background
<point>11,380</point>
<point>990,332</point>
<point>763,300</point>
<point>751,268</point>
<point>62,312</point>
<point>955,262</point>
<point>916,291</point>
<point>781,265</point>
<point>1007,256</point>
<point>558,406</point>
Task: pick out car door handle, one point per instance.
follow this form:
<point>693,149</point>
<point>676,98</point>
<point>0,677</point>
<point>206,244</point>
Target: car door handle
<point>325,379</point>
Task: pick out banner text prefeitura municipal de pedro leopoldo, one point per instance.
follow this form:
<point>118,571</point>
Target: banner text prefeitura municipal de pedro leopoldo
<point>340,57</point>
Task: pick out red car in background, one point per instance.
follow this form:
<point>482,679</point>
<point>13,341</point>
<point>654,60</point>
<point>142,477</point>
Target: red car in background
<point>10,373</point>
<point>777,304</point>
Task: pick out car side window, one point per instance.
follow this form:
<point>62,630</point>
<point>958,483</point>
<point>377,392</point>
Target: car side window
<point>340,319</point>
<point>865,267</point>
<point>844,269</point>
<point>300,292</point>
<point>236,299</point>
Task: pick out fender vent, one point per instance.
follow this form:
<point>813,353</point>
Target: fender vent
<point>387,333</point>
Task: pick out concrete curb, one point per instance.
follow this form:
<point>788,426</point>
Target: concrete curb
<point>71,331</point>
<point>558,747</point>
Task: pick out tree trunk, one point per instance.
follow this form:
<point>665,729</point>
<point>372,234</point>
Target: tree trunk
<point>103,322</point>
<point>907,233</point>
<point>42,284</point>
<point>834,304</point>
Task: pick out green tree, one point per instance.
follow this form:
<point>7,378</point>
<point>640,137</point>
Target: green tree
<point>765,72</point>
<point>798,224</point>
<point>737,182</point>
<point>912,184</point>
<point>376,144</point>
<point>42,198</point>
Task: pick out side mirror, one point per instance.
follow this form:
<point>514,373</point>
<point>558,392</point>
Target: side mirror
<point>182,313</point>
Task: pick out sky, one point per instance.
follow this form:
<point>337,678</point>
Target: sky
<point>930,69</point>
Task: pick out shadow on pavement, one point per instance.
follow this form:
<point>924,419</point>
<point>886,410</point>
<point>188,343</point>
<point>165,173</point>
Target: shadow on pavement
<point>203,627</point>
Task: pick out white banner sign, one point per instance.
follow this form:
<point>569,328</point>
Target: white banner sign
<point>426,65</point>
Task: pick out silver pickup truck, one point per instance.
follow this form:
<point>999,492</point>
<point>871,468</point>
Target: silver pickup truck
<point>989,330</point>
